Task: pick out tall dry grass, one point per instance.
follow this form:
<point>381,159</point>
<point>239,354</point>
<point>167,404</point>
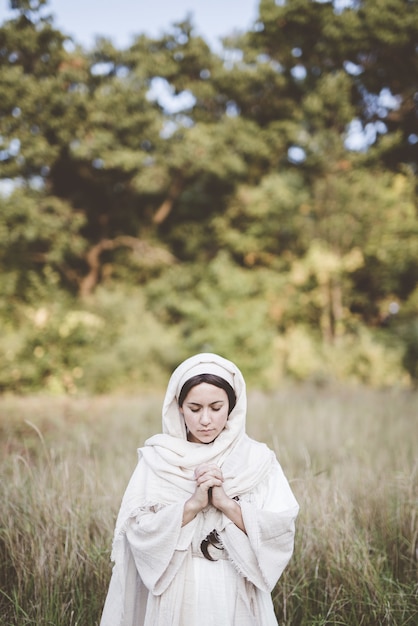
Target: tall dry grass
<point>352,459</point>
<point>350,455</point>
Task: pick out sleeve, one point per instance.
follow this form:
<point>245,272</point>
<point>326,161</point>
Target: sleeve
<point>269,513</point>
<point>159,544</point>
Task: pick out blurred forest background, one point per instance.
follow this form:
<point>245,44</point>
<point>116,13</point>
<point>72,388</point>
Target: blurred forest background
<point>162,199</point>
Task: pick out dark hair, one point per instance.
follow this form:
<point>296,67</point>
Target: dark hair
<point>210,379</point>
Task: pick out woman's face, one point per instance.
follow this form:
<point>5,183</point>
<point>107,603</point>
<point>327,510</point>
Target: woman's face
<point>205,412</point>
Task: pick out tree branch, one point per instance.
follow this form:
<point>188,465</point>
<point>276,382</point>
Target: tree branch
<point>149,255</point>
<point>164,209</point>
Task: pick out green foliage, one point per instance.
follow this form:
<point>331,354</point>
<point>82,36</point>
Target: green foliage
<point>169,171</point>
<point>40,234</point>
<point>135,351</point>
<point>403,323</point>
<point>217,308</point>
<point>264,224</point>
<point>361,357</point>
<point>109,344</point>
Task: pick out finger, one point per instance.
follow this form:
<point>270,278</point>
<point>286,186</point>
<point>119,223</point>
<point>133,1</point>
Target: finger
<point>208,482</point>
<point>209,476</point>
<point>210,470</point>
<point>206,467</point>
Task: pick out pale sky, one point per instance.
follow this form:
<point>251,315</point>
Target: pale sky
<point>120,20</point>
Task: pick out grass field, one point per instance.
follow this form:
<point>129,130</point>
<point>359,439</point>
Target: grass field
<point>350,455</point>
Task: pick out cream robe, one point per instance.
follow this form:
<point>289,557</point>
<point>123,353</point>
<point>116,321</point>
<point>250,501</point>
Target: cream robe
<point>160,577</point>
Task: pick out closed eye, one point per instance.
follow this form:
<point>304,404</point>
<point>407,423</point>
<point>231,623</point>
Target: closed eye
<point>216,406</point>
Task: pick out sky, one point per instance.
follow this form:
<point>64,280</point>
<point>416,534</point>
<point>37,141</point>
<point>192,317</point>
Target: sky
<point>120,20</point>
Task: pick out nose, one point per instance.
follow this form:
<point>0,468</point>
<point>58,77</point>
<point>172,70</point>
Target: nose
<point>204,416</point>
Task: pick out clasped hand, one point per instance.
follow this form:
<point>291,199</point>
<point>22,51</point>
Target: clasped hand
<point>209,487</point>
<point>209,490</point>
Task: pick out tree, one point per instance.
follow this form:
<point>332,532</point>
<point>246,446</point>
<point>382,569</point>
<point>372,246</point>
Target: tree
<point>214,184</point>
<point>372,42</point>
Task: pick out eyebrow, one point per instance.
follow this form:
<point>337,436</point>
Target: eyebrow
<point>210,404</point>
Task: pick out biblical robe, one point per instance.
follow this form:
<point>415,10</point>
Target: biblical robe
<point>161,576</point>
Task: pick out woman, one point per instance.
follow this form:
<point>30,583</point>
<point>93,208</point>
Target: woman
<point>206,525</point>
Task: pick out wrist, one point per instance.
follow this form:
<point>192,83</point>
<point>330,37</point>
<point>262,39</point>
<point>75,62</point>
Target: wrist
<point>191,509</point>
<point>227,505</point>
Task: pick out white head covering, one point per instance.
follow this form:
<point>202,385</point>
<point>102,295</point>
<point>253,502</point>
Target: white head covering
<point>205,363</point>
